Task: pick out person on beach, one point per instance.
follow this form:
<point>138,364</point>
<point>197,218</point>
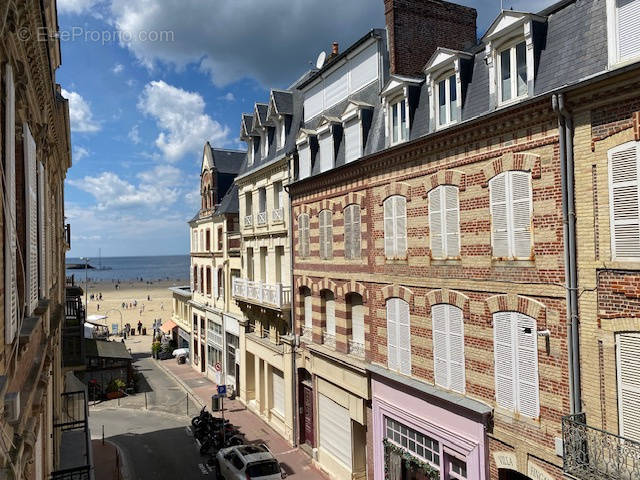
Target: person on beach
<point>139,327</point>
<point>98,307</point>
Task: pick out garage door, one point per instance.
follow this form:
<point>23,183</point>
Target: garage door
<point>335,429</point>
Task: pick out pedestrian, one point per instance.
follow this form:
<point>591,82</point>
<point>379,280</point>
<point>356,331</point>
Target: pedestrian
<point>148,298</point>
<point>143,307</point>
<point>98,307</point>
<point>161,307</point>
<point>140,312</point>
<point>139,327</point>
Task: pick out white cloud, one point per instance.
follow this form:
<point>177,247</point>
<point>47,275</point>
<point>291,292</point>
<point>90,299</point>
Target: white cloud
<point>229,97</point>
<point>80,113</point>
<point>134,135</point>
<point>180,116</point>
<point>76,6</point>
<point>117,68</point>
<point>79,152</point>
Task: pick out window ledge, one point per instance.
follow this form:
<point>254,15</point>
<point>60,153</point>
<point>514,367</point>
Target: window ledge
<point>396,261</point>
<point>495,262</point>
<point>277,414</point>
<point>437,262</point>
<point>512,417</point>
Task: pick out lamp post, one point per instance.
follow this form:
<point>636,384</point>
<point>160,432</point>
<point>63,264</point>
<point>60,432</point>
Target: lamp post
<point>86,285</point>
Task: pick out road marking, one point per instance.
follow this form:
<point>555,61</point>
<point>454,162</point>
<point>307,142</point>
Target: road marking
<point>203,469</point>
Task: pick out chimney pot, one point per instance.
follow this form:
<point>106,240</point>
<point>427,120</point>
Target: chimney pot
<point>335,48</point>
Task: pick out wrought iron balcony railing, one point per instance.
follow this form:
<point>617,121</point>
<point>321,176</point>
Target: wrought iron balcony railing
<point>277,215</point>
<point>271,295</point>
<point>248,221</point>
<point>71,435</point>
<point>592,453</point>
<point>262,218</point>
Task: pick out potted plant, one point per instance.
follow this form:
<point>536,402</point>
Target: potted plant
<point>156,347</point>
<point>115,388</point>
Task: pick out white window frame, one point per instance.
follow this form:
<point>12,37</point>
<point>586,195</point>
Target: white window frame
<point>395,235</point>
<point>626,386</point>
<point>394,306</point>
<point>349,240</point>
<point>326,150</point>
<point>510,216</point>
<point>404,436</point>
<point>325,227</point>
<point>513,67</point>
<point>250,151</point>
<point>282,132</point>
<point>447,311</point>
<point>612,221</point>
<point>446,78</point>
<point>304,156</point>
<point>264,142</point>
<point>278,401</point>
<point>613,38</point>
<point>444,213</point>
<point>303,234</point>
<point>354,122</point>
<point>394,107</point>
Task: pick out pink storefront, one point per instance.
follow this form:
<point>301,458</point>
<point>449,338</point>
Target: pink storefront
<point>418,427</point>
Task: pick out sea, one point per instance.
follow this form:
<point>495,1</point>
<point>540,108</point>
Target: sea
<point>171,267</point>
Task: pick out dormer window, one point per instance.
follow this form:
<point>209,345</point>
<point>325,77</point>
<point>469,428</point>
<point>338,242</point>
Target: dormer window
<point>264,142</point>
<point>325,141</point>
<point>512,67</point>
<point>399,125</point>
<point>303,142</point>
<point>447,100</point>
<point>250,152</point>
<point>396,97</point>
<point>356,121</point>
<point>282,133</point>
<point>623,24</point>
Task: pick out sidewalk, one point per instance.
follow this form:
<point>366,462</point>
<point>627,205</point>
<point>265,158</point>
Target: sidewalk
<point>297,464</point>
<point>107,461</point>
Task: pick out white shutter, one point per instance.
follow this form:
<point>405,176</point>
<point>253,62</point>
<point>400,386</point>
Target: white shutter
<point>278,391</point>
<point>628,362</point>
<point>31,211</point>
<point>400,213</point>
<point>308,310</point>
<point>305,235</point>
<point>440,354</point>
<point>216,286</point>
<point>325,142</point>
<point>364,68</point>
<point>452,221</point>
<point>628,19</point>
<point>456,349</point>
<point>625,201</point>
<point>304,161</point>
<point>392,333</point>
<point>435,223</point>
<point>357,323</point>
<point>355,232</point>
<point>10,271</point>
<point>499,216</point>
<point>348,232</point>
<point>404,337</point>
<point>527,365</point>
<point>330,315</point>
<point>336,86</point>
<point>313,101</point>
<point>42,254</point>
<point>520,190</point>
<point>328,235</point>
<point>504,360</point>
<point>334,434</point>
<point>389,229</point>
<point>352,140</point>
<point>321,233</point>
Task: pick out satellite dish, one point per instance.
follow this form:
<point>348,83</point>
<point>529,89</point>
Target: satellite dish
<point>321,58</point>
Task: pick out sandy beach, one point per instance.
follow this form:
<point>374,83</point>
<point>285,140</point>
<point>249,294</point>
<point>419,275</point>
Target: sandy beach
<point>154,301</point>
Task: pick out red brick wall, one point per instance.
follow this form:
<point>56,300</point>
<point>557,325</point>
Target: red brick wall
<point>417,27</point>
<point>618,294</point>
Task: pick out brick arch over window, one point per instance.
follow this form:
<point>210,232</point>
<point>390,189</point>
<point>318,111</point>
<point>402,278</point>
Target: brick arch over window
<point>324,205</point>
<point>391,291</point>
<point>351,198</point>
<point>396,188</point>
<point>518,303</point>
<point>304,281</point>
<point>527,162</point>
<point>445,177</point>
<point>326,284</point>
<point>451,297</point>
<point>300,209</point>
<point>354,287</point>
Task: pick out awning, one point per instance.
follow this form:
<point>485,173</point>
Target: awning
<point>167,327</point>
<point>95,318</point>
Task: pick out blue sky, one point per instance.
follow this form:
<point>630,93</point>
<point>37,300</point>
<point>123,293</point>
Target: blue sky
<point>149,81</point>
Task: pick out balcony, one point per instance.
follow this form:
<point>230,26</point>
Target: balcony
<point>67,235</point>
<point>356,348</point>
<point>277,215</point>
<point>73,329</point>
<point>329,339</point>
<point>248,221</point>
<point>262,218</point>
<point>71,432</point>
<point>307,333</point>
<point>591,453</point>
<point>268,295</point>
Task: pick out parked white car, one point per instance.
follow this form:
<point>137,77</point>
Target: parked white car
<point>248,462</point>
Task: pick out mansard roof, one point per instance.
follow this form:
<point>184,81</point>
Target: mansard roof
<point>281,103</point>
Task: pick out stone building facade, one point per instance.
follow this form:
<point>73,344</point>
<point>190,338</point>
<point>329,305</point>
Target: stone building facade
<point>35,151</point>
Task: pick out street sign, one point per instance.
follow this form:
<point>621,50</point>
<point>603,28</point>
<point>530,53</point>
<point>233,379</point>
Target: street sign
<point>222,390</point>
<point>218,367</point>
<point>114,329</point>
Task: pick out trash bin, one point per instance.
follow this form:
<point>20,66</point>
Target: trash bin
<point>144,331</point>
<point>182,359</point>
<point>133,332</point>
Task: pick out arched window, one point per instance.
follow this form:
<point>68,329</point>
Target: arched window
<point>398,336</point>
<point>352,233</point>
<point>303,235</point>
<point>444,222</point>
<point>326,234</point>
<point>307,304</point>
<point>355,321</point>
<point>209,281</point>
<point>329,317</point>
<point>220,293</point>
<point>448,346</point>
<point>395,227</point>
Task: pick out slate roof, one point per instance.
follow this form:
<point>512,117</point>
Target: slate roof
<point>261,109</point>
<point>106,349</point>
<point>228,161</point>
<point>229,203</point>
<point>283,101</point>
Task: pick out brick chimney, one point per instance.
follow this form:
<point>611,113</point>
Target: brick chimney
<point>335,48</point>
<point>417,27</point>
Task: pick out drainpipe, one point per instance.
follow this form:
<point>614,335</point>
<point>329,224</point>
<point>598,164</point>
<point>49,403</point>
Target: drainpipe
<point>565,132</point>
<point>294,344</point>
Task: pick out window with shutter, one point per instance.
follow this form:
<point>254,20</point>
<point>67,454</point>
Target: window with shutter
<point>352,140</point>
<point>395,227</point>
<point>10,270</point>
<point>308,309</point>
<point>42,254</point>
<point>516,363</point>
<point>352,232</point>
<point>357,319</point>
<point>326,234</point>
<point>448,347</point>
<point>325,143</point>
<point>278,391</point>
<point>216,285</point>
<point>628,366</point>
<point>31,220</point>
<point>329,312</point>
<point>398,336</point>
<point>334,424</point>
<point>303,231</point>
<point>627,18</point>
<point>511,210</point>
<point>624,200</point>
<point>444,222</point>
<point>304,161</point>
